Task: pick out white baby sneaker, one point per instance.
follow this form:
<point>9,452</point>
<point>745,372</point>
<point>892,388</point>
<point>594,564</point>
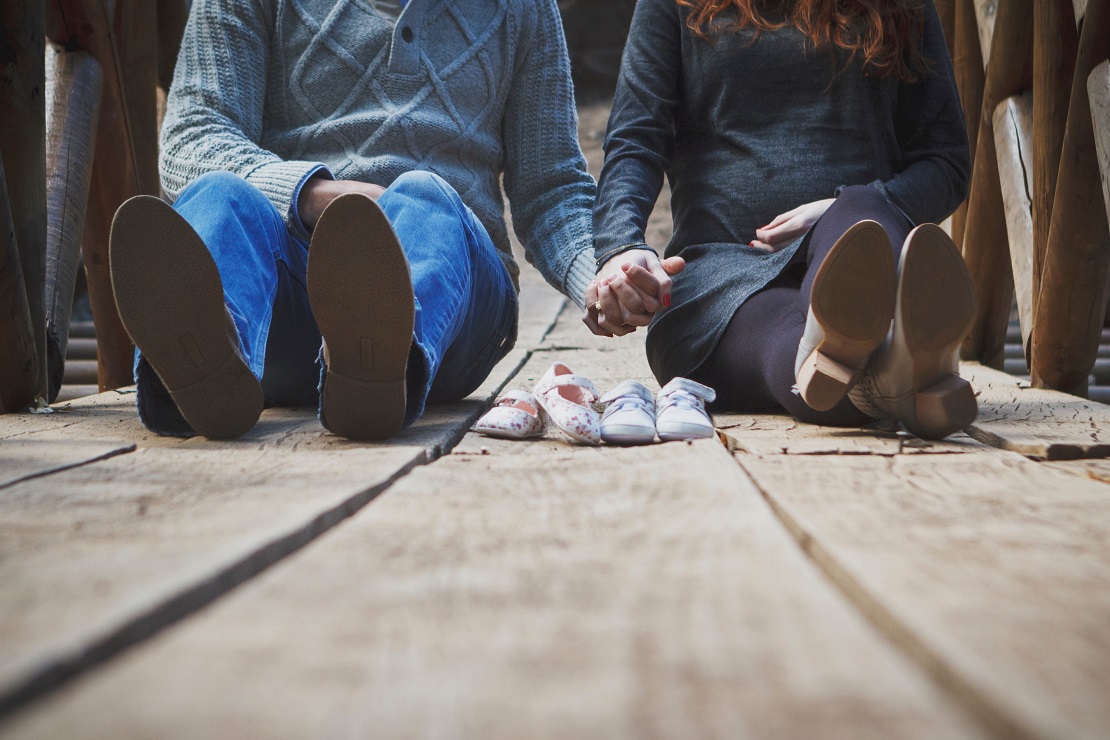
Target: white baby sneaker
<point>516,415</point>
<point>629,417</point>
<point>680,410</point>
<point>568,400</point>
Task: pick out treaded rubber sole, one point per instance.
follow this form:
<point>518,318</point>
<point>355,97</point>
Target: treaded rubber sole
<point>853,301</point>
<point>171,302</point>
<point>360,290</point>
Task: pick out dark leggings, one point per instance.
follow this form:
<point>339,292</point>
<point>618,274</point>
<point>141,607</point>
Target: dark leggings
<point>752,367</point>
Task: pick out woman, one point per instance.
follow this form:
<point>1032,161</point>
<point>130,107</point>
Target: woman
<point>804,140</point>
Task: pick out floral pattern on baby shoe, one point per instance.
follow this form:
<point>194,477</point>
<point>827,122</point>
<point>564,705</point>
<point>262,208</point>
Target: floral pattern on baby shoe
<point>568,400</point>
<point>516,415</point>
<point>680,410</point>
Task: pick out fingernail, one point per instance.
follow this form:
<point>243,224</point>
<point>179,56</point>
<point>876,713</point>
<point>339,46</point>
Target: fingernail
<point>667,300</point>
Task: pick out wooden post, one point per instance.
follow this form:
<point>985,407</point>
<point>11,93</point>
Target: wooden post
<point>1072,303</point>
<point>1013,136</point>
<point>967,62</point>
<point>123,165</point>
<point>1054,48</point>
<point>1098,89</point>
<point>23,147</point>
<point>18,381</point>
<point>946,9</point>
<point>73,88</point>
<point>985,246</point>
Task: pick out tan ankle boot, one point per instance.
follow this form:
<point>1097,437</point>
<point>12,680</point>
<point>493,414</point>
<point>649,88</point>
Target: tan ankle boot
<point>850,311</point>
<point>914,377</point>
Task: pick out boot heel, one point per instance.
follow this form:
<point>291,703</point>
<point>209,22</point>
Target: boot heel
<point>943,408</point>
<point>224,404</point>
<point>363,410</point>
<point>822,381</point>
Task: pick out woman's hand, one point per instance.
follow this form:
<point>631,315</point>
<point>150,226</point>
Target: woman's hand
<point>790,225</point>
<point>319,192</point>
<point>629,289</point>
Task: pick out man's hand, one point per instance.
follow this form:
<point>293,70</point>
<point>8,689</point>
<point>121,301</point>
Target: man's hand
<point>318,192</point>
<point>629,289</point>
<point>790,225</point>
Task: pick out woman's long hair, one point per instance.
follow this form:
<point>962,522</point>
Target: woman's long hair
<point>885,33</point>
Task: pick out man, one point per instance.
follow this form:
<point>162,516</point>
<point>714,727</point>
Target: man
<point>336,168</point>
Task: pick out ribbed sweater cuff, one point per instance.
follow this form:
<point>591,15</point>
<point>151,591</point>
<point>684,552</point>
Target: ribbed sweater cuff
<point>579,275</point>
<point>281,181</point>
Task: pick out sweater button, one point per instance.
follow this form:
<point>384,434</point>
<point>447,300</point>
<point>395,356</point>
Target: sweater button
<point>407,34</point>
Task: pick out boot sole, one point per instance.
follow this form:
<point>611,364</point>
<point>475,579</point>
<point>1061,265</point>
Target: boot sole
<point>171,301</point>
<point>853,301</point>
<point>935,309</point>
<point>360,290</point>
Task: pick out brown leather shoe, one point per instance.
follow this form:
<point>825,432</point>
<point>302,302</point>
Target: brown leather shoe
<point>361,294</point>
<point>850,310</point>
<point>914,377</point>
<point>171,301</point>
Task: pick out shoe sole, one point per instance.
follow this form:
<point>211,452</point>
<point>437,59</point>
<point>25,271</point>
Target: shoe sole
<point>853,301</point>
<point>935,310</point>
<point>171,301</point>
<point>360,290</point>
<point>627,435</point>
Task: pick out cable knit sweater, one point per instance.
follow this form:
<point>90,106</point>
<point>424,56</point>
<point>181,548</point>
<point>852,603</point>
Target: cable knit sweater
<point>277,91</point>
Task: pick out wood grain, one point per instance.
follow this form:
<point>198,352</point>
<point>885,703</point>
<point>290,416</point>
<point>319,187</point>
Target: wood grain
<point>538,590</point>
<point>967,65</point>
<point>23,147</point>
<point>1013,136</point>
<point>18,378</point>
<point>990,569</point>
<point>1055,45</point>
<point>985,248</point>
<point>1075,280</point>
<point>1038,423</point>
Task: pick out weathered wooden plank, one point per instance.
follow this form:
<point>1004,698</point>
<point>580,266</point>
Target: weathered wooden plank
<point>1013,136</point>
<point>1096,470</point>
<point>30,457</point>
<point>990,569</point>
<point>784,435</point>
<point>96,559</point>
<point>1075,278</point>
<point>539,590</point>
<point>985,248</point>
<point>1038,423</point>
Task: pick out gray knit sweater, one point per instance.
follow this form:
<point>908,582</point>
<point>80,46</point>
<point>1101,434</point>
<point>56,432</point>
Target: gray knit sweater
<point>278,90</point>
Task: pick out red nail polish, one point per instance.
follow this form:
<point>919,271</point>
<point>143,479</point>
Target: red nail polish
<point>667,301</point>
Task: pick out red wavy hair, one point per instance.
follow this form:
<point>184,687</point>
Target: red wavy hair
<point>885,33</point>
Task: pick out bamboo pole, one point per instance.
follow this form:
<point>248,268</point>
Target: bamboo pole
<point>17,336</point>
<point>119,169</point>
<point>23,147</point>
<point>985,246</point>
<point>1055,45</point>
<point>1098,90</point>
<point>1072,304</point>
<point>967,62</point>
<point>73,92</point>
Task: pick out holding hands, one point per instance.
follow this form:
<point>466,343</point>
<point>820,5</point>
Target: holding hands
<point>628,290</point>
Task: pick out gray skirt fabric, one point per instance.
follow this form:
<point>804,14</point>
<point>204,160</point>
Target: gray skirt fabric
<point>717,280</point>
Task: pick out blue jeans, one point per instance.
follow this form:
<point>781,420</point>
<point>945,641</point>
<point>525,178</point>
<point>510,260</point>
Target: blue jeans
<point>466,304</point>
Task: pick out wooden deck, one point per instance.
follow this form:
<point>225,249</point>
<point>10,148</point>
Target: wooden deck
<point>784,580</point>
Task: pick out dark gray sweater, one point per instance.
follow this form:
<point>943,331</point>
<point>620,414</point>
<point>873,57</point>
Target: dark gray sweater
<point>748,129</point>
